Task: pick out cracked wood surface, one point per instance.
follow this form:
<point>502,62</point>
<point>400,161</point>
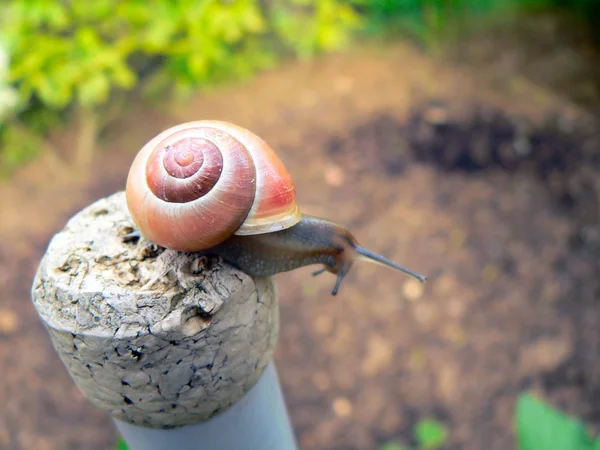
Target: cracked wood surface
<point>155,337</point>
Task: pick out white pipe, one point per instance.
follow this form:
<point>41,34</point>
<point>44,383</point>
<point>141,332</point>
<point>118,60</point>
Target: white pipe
<point>258,421</point>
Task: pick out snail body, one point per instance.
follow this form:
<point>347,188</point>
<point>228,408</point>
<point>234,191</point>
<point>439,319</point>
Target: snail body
<point>216,188</point>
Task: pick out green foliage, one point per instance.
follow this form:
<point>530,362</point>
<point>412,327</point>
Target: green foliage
<point>121,444</point>
<point>80,51</point>
<point>430,434</point>
<point>429,21</point>
<point>76,54</point>
<point>324,28</point>
<point>8,95</point>
<point>540,427</point>
<point>424,20</point>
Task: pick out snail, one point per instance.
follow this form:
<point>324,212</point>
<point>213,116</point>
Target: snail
<point>218,189</point>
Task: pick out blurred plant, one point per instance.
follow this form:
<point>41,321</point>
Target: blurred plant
<point>74,56</point>
<point>9,103</point>
<point>77,57</point>
<point>538,427</point>
<point>8,95</point>
<point>120,444</point>
<point>541,427</point>
<point>425,20</point>
<point>307,30</point>
<point>431,22</point>
<point>429,433</point>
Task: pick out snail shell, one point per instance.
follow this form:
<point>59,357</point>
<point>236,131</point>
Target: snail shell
<point>196,184</point>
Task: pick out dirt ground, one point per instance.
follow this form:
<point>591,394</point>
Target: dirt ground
<point>470,170</point>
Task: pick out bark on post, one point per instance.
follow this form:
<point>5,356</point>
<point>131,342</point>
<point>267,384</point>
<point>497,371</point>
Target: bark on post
<point>157,338</point>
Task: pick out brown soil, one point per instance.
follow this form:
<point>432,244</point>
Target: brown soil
<point>489,188</point>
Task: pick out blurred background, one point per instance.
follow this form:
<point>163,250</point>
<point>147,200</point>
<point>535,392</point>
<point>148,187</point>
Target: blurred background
<point>458,137</point>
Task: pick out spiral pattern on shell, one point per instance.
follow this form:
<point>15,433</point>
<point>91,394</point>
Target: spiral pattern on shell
<point>196,184</point>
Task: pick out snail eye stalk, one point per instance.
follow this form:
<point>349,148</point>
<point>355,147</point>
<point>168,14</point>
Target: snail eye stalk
<point>368,255</point>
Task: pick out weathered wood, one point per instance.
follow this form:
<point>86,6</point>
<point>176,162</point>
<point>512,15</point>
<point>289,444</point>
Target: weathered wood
<point>157,338</point>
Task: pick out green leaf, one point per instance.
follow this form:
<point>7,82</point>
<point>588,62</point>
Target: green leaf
<point>123,76</point>
<point>121,444</point>
<point>540,426</point>
<point>158,36</point>
<point>87,39</point>
<point>430,434</point>
<point>94,90</point>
